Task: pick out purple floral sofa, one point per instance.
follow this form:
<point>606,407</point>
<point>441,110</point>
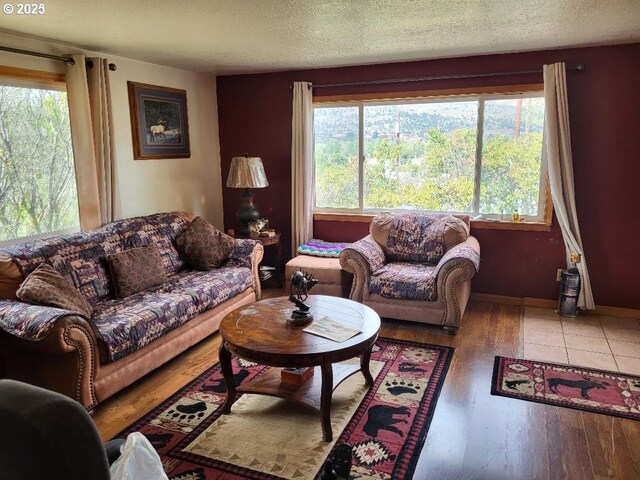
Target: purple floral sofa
<point>415,266</point>
<point>90,359</point>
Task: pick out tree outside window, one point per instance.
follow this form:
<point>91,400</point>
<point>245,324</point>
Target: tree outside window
<point>37,178</point>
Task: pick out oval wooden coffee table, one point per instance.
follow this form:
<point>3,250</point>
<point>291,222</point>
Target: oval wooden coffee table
<point>260,333</point>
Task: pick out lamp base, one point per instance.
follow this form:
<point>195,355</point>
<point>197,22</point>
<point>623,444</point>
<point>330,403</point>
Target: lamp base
<point>248,212</point>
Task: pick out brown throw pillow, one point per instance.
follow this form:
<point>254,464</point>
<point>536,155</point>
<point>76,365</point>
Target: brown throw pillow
<point>136,269</point>
<point>45,286</point>
<point>203,246</point>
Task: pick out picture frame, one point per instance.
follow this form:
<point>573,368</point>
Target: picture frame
<point>159,122</point>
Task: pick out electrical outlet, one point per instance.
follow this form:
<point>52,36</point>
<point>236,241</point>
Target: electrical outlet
<point>558,273</point>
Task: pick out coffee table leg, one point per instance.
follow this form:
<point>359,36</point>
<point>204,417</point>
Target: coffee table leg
<point>227,372</point>
<point>325,400</point>
<point>364,366</point>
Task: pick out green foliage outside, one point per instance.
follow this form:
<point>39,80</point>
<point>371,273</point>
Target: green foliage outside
<point>37,180</point>
<point>435,170</point>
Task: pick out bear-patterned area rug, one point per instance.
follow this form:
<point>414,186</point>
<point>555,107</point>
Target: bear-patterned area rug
<point>269,438</point>
<point>610,393</point>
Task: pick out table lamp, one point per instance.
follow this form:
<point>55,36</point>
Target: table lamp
<point>247,172</point>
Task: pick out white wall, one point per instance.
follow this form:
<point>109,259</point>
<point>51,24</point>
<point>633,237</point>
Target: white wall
<point>149,186</point>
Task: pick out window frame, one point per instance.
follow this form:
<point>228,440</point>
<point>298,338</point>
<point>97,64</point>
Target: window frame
<point>480,94</point>
<point>28,78</point>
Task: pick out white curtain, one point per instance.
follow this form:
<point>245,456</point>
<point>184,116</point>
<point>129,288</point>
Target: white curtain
<point>83,147</point>
<point>301,165</point>
<point>93,144</point>
<point>560,167</point>
<point>104,144</point>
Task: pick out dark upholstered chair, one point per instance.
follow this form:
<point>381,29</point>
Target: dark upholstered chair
<point>46,435</point>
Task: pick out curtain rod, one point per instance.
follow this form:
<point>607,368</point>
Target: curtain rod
<point>576,68</point>
<point>68,60</point>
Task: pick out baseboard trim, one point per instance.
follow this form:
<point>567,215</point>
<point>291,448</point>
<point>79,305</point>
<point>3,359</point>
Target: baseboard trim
<point>490,298</point>
<point>540,302</point>
<point>618,311</point>
<point>547,303</point>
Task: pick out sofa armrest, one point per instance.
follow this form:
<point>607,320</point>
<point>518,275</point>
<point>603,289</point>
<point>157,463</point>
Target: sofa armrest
<point>39,327</point>
<point>362,258</point>
<point>453,282</point>
<point>248,253</point>
<point>63,357</point>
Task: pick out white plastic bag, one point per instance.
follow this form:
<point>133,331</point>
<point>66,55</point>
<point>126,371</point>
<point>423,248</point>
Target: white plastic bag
<point>138,461</point>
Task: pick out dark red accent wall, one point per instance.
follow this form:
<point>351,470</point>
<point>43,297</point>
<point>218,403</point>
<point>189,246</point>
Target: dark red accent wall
<point>604,104</point>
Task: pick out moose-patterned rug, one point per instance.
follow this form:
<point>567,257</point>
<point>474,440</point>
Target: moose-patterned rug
<point>600,391</point>
<point>269,438</point>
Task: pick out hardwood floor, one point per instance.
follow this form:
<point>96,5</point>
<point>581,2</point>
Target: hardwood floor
<point>473,435</point>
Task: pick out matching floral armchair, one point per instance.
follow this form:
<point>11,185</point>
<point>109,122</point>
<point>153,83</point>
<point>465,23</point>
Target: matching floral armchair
<point>415,266</point>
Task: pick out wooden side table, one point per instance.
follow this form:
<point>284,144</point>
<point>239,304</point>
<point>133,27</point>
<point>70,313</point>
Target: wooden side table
<point>266,271</point>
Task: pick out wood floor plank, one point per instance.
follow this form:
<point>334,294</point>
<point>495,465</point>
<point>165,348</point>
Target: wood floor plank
<point>473,434</point>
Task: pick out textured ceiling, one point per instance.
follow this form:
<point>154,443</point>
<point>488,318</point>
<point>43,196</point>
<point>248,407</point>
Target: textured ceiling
<point>246,36</point>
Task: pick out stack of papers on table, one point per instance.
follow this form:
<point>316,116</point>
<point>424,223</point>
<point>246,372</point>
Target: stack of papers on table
<point>329,328</point>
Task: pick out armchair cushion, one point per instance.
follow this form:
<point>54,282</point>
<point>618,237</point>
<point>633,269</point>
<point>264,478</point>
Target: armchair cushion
<point>417,281</point>
<point>455,229</point>
<point>417,237</point>
<point>404,280</point>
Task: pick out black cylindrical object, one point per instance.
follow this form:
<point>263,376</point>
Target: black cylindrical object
<point>569,292</point>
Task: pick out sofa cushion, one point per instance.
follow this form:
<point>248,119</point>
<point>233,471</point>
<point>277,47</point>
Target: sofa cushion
<point>45,286</point>
<point>419,237</point>
<point>136,269</point>
<point>80,258</point>
<point>129,324</point>
<point>456,229</point>
<point>203,246</point>
<point>160,229</point>
<point>404,280</point>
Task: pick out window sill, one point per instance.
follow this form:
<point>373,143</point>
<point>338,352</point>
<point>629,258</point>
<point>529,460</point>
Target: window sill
<point>475,224</point>
<point>343,217</point>
<point>504,225</point>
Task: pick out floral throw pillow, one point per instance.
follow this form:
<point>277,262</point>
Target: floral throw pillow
<point>136,269</point>
<point>203,246</point>
<point>46,286</point>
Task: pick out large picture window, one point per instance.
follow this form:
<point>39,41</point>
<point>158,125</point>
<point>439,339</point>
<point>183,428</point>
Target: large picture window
<point>479,155</point>
<point>38,193</point>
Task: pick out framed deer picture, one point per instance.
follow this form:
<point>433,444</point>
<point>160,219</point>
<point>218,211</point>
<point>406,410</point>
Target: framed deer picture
<point>159,122</point>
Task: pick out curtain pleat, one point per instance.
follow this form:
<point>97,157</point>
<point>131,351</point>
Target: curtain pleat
<point>102,122</point>
<point>83,145</point>
<point>560,168</point>
<point>301,166</point>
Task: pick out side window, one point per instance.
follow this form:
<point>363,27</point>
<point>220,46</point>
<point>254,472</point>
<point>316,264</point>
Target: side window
<point>37,178</point>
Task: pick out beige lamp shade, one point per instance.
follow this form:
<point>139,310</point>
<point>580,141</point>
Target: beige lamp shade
<point>247,172</point>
